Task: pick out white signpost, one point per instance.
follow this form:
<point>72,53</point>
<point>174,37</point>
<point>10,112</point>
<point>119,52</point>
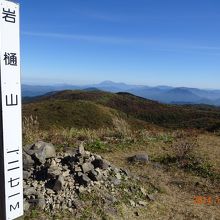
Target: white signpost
<point>11,170</point>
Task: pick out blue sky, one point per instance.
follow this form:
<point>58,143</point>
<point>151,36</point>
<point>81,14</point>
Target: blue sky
<point>150,42</point>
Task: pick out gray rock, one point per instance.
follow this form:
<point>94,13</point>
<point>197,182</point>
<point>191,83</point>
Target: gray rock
<point>59,184</point>
<point>41,204</point>
<point>64,207</point>
<point>83,179</point>
<point>151,197</point>
<point>143,191</point>
<point>104,164</point>
<point>108,198</point>
<point>42,151</point>
<point>26,206</point>
<point>36,146</point>
<point>86,179</point>
<point>126,172</point>
<point>57,206</point>
<point>100,163</point>
<point>35,184</point>
<point>98,157</point>
<point>27,161</point>
<point>118,176</point>
<point>77,169</point>
<point>139,158</point>
<point>87,153</point>
<point>66,173</point>
<point>70,204</point>
<point>82,189</point>
<point>116,170</point>
<point>78,204</point>
<point>94,175</point>
<point>81,149</point>
<point>57,160</point>
<point>26,174</point>
<point>40,195</point>
<point>81,160</point>
<point>37,203</point>
<point>86,167</point>
<point>116,182</point>
<point>50,192</point>
<point>142,203</point>
<point>30,191</point>
<point>79,174</point>
<point>53,163</point>
<point>157,165</point>
<point>53,172</point>
<point>132,203</point>
<point>68,151</point>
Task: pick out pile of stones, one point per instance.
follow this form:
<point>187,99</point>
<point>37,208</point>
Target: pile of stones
<point>53,181</point>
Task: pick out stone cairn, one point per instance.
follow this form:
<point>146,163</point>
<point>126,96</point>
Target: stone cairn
<point>53,181</point>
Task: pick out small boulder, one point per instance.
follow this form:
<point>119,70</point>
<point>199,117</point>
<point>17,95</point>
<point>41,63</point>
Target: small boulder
<point>86,167</point>
<point>42,151</point>
<point>139,158</point>
<point>59,183</point>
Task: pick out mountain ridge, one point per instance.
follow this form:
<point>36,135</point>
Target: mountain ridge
<point>164,94</point>
<point>78,108</point>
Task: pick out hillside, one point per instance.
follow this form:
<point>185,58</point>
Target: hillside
<point>97,109</point>
<point>62,113</point>
<point>164,94</point>
<point>170,169</point>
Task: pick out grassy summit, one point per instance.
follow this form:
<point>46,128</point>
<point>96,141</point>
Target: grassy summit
<point>96,109</point>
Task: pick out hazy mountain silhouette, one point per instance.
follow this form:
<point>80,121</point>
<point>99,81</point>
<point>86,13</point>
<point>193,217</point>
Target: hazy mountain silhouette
<point>164,94</point>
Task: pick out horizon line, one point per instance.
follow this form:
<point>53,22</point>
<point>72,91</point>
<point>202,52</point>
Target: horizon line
<point>110,81</point>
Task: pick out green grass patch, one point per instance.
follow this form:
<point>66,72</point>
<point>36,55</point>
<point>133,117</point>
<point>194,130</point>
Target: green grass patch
<point>190,164</point>
<point>98,146</point>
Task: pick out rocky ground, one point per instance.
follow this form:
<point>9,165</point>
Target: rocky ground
<point>68,183</point>
<point>115,179</point>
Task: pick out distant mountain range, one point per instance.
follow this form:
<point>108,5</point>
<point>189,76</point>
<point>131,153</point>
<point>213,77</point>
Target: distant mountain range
<point>164,94</point>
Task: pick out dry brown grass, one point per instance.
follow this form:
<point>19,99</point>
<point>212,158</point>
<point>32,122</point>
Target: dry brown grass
<point>175,187</point>
<point>209,149</point>
<point>184,144</point>
<point>122,127</point>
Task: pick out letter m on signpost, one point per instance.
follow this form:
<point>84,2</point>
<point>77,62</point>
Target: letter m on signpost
<point>11,170</point>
